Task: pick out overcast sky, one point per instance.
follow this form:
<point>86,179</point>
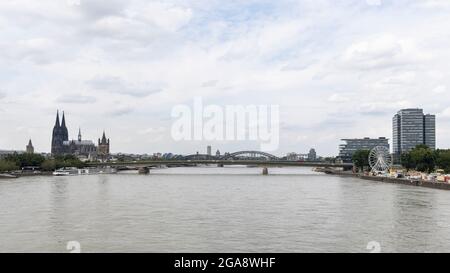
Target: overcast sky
<point>338,69</point>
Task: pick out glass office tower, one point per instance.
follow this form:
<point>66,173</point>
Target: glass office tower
<point>411,128</point>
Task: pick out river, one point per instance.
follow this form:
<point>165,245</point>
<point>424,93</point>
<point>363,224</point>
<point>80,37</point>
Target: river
<point>231,209</point>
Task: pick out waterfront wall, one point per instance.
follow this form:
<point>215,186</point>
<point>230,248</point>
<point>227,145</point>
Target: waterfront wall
<point>417,183</point>
<point>421,183</point>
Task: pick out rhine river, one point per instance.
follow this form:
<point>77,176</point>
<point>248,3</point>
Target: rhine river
<point>232,209</point>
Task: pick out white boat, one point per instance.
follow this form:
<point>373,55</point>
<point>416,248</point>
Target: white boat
<point>66,172</point>
<point>86,171</point>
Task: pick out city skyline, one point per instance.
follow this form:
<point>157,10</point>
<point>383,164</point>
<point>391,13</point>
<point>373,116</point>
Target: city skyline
<point>393,142</point>
<point>122,71</point>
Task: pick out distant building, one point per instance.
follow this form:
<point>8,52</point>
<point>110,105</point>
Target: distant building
<point>297,157</point>
<point>312,155</point>
<point>347,150</point>
<point>84,149</point>
<point>80,147</point>
<point>208,150</point>
<point>410,128</point>
<point>218,153</point>
<point>103,147</point>
<point>30,148</point>
<point>292,157</point>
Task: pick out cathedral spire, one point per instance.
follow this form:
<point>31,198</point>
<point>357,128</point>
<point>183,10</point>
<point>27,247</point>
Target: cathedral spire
<point>57,119</point>
<point>63,123</point>
<point>79,134</point>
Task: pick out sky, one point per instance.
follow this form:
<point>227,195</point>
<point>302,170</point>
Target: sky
<point>337,69</point>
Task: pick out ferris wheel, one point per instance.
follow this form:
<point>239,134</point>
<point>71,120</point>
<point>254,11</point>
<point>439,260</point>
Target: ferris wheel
<point>380,159</point>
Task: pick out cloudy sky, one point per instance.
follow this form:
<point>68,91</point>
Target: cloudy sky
<point>337,69</point>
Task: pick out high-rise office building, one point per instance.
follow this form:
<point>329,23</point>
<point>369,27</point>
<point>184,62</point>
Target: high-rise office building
<point>208,150</point>
<point>312,155</point>
<point>347,150</point>
<point>411,128</point>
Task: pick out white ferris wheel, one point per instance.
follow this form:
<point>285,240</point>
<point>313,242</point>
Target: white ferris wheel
<point>380,159</point>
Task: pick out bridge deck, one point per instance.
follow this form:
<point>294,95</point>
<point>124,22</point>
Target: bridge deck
<point>269,163</point>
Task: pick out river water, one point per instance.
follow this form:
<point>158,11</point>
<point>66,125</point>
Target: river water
<point>232,209</point>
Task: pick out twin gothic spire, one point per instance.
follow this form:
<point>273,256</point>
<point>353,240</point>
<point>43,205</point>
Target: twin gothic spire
<point>63,122</point>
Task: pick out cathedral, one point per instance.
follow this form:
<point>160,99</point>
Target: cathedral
<point>61,145</point>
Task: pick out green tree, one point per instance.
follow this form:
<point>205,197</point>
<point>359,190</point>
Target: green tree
<point>443,160</point>
<point>407,162</point>
<point>421,158</point>
<point>23,160</point>
<point>67,161</point>
<point>7,166</point>
<point>361,159</point>
<point>48,165</point>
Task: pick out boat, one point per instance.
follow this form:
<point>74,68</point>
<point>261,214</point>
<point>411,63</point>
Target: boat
<point>66,172</point>
<point>107,170</point>
<point>85,171</point>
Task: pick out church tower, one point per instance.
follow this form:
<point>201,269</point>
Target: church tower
<point>30,148</point>
<point>60,134</point>
<point>57,140</point>
<point>103,147</point>
<point>64,131</point>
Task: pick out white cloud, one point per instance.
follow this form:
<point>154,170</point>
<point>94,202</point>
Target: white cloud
<point>374,2</point>
<point>76,99</point>
<point>114,84</point>
<point>382,51</point>
<point>441,89</point>
<point>164,15</point>
<point>433,4</point>
<point>122,66</point>
<point>339,97</point>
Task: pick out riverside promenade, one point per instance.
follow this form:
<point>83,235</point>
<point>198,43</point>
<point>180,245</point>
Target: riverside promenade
<point>402,181</point>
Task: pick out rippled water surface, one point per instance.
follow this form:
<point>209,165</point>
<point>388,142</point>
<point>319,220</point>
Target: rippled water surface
<point>233,209</point>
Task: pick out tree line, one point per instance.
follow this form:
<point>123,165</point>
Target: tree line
<point>421,158</point>
<point>16,162</point>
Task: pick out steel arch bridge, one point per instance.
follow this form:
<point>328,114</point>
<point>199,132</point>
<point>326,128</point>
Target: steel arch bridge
<point>249,155</point>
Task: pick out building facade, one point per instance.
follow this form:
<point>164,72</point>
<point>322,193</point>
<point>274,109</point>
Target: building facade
<point>80,147</point>
<point>410,128</point>
<point>347,150</point>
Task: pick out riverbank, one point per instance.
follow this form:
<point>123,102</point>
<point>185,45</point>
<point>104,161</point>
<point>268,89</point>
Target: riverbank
<point>7,176</point>
<point>402,181</point>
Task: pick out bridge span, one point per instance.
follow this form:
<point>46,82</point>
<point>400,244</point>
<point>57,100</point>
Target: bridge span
<point>259,163</point>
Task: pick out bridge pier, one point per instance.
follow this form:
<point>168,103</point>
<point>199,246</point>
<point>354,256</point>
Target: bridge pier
<point>144,170</point>
<point>265,171</point>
